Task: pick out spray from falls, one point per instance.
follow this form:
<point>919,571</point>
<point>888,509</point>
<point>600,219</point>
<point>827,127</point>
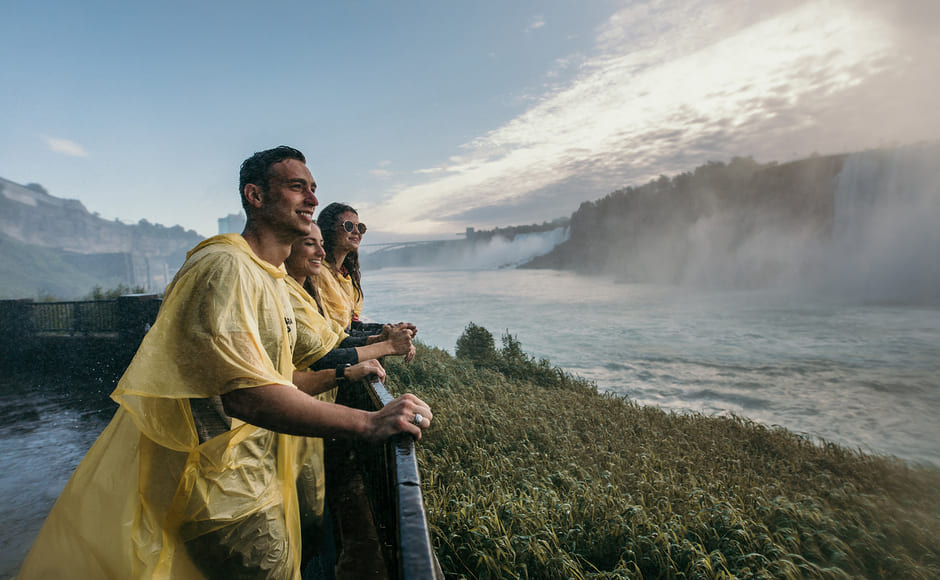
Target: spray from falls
<point>480,252</point>
<point>502,252</point>
<point>861,226</point>
<point>886,226</point>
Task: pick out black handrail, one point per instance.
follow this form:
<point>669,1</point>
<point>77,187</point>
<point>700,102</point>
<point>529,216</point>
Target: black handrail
<point>416,560</point>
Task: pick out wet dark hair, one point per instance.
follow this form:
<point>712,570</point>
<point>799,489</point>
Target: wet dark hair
<point>257,168</point>
<point>311,289</point>
<point>327,221</point>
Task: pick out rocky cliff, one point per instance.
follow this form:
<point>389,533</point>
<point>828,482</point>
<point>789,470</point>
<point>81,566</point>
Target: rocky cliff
<point>142,255</point>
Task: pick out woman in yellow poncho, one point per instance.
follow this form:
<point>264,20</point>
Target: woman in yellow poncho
<point>339,286</point>
<point>303,266</point>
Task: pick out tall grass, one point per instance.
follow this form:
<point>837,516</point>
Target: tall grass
<point>529,472</point>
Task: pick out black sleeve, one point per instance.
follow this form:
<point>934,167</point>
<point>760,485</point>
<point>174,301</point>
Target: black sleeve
<point>336,357</point>
<point>367,327</point>
<point>353,341</point>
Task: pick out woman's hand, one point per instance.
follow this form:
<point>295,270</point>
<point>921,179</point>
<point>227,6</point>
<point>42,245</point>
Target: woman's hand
<point>399,337</point>
<point>411,327</point>
<point>400,416</point>
<point>364,370</point>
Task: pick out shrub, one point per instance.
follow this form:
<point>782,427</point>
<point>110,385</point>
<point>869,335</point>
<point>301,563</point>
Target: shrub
<point>476,344</point>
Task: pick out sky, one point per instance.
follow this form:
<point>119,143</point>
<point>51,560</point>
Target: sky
<point>430,117</point>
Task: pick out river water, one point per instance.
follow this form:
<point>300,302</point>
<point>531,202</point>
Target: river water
<point>863,375</point>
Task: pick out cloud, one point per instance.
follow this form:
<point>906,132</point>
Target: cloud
<point>673,85</point>
<point>65,146</point>
<point>537,22</point>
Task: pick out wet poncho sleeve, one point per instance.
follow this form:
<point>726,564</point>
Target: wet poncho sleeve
<point>149,500</point>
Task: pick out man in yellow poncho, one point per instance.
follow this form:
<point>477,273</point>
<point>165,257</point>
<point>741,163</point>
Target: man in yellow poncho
<point>160,494</point>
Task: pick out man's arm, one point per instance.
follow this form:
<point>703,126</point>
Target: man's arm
<point>288,410</point>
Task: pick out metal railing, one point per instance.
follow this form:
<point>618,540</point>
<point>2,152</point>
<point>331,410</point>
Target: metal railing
<point>96,316</point>
<point>394,483</point>
<point>416,553</point>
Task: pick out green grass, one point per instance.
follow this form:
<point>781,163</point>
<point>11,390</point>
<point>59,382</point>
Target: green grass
<point>529,472</point>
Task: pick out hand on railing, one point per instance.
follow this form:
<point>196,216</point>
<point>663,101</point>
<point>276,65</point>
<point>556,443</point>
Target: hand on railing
<point>366,370</point>
<point>404,414</point>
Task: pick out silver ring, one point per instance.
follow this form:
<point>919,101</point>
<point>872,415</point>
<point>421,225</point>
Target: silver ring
<point>418,420</point>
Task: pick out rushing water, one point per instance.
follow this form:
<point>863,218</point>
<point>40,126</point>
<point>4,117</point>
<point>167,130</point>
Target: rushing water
<point>863,375</point>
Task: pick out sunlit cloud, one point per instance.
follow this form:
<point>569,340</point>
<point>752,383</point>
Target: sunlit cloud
<point>64,146</point>
<point>669,88</point>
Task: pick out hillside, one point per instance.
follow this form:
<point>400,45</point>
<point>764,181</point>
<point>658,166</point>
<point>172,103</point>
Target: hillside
<point>858,219</point>
<point>54,246</point>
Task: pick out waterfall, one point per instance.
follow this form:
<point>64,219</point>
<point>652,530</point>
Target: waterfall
<point>886,226</point>
<point>501,252</point>
<point>475,253</point>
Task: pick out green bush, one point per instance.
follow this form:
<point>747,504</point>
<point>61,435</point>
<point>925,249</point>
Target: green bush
<point>476,344</point>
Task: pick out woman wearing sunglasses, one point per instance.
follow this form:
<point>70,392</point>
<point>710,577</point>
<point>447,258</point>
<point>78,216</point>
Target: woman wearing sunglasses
<point>340,285</point>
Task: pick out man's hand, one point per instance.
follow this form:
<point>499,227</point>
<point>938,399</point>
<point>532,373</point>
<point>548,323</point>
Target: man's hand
<point>399,417</point>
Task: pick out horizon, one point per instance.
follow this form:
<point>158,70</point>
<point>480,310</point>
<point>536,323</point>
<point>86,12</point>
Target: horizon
<point>392,239</point>
<point>433,118</point>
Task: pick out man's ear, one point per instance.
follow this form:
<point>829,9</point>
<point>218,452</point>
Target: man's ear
<point>253,195</point>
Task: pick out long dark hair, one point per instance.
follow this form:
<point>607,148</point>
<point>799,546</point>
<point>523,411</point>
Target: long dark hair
<point>311,289</point>
<point>328,220</point>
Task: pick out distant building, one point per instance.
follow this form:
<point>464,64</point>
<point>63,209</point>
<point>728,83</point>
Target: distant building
<point>233,223</point>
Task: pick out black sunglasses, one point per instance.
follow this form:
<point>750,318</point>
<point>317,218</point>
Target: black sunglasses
<point>349,226</point>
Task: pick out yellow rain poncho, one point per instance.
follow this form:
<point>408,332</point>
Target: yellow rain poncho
<point>340,300</point>
<point>148,495</point>
<point>316,336</point>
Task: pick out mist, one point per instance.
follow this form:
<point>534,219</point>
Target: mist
<point>879,242</point>
<point>886,227</point>
<point>486,253</point>
<point>501,252</point>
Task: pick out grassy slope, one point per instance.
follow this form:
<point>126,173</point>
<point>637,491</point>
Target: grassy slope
<point>546,478</point>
